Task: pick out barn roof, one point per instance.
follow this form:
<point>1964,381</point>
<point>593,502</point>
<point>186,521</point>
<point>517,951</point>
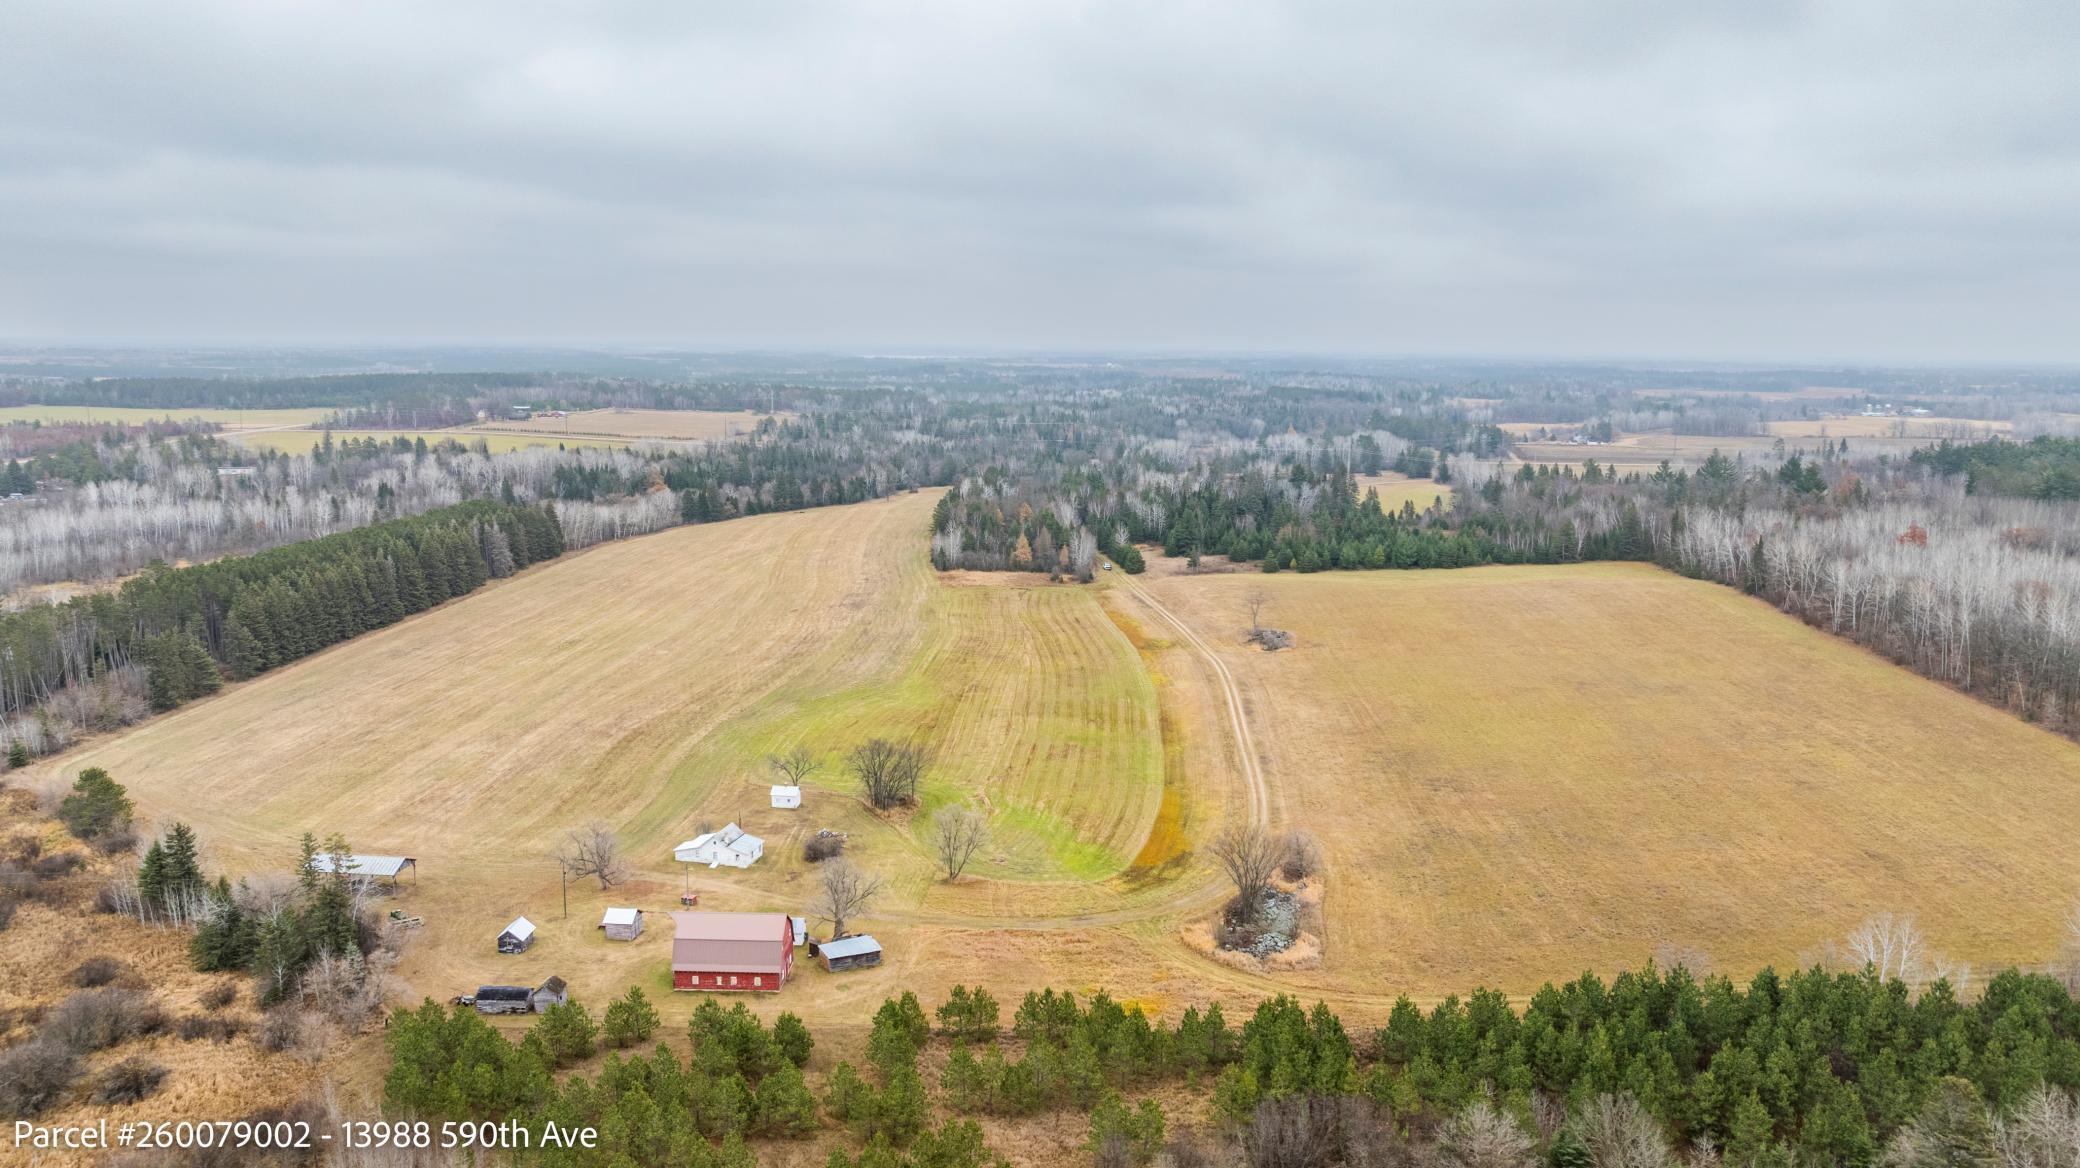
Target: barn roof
<point>520,930</point>
<point>712,942</point>
<point>360,865</point>
<point>503,993</point>
<point>849,947</point>
<point>620,916</point>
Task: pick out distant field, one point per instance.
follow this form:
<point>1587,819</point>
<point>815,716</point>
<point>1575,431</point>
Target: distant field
<point>1647,450</point>
<point>1521,772</point>
<point>643,683</point>
<point>137,416</point>
<point>1924,430</point>
<point>612,423</point>
<point>1395,489</point>
<point>300,441</point>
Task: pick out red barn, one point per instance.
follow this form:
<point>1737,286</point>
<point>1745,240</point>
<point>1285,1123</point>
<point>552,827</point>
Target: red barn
<point>731,951</point>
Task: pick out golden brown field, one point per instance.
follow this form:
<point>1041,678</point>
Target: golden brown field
<point>1522,772</point>
<point>1395,489</point>
<point>1646,450</point>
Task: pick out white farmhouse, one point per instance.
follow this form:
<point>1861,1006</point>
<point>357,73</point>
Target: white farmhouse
<point>729,847</point>
<point>786,796</point>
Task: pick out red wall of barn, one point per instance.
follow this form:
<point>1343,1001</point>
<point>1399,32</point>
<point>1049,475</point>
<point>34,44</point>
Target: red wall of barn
<point>685,979</point>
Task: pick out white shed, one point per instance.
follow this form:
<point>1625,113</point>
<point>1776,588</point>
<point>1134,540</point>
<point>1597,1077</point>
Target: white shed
<point>730,847</point>
<point>517,937</point>
<point>786,796</point>
<point>622,924</point>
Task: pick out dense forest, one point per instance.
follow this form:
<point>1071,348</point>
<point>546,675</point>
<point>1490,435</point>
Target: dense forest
<point>1810,1068</point>
<point>2042,468</point>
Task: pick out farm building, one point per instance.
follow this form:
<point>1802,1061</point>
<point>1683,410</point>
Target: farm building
<point>786,796</point>
<point>622,924</point>
<point>550,993</point>
<point>502,999</point>
<point>729,847</point>
<point>850,953</point>
<point>731,951</point>
<point>357,867</point>
<point>801,930</point>
<point>517,937</point>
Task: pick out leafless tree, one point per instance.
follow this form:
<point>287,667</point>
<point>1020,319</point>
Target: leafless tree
<point>844,893</point>
<point>2042,1131</point>
<point>1255,599</point>
<point>1482,1137</point>
<point>795,765</point>
<point>1249,855</point>
<point>1890,944</point>
<point>887,771</point>
<point>1300,854</point>
<point>1619,1133</point>
<point>957,834</point>
<point>2069,955</point>
<point>592,850</point>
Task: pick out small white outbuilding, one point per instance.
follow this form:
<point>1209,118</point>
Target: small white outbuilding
<point>518,936</point>
<point>786,796</point>
<point>622,924</point>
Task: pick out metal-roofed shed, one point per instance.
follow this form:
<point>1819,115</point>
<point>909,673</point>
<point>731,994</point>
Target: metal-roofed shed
<point>845,953</point>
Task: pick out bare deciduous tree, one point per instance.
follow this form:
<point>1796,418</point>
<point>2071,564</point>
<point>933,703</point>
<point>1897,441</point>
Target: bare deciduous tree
<point>1300,854</point>
<point>1249,855</point>
<point>1482,1137</point>
<point>1890,944</point>
<point>1255,600</point>
<point>888,772</point>
<point>1619,1133</point>
<point>2069,955</point>
<point>844,893</point>
<point>593,851</point>
<point>957,834</point>
<point>795,765</point>
<point>2042,1131</point>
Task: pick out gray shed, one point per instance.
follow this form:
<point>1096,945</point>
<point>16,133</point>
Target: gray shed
<point>550,993</point>
<point>622,924</point>
<point>850,953</point>
<point>517,937</point>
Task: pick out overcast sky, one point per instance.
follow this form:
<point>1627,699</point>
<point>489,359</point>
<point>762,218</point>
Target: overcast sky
<point>1884,180</point>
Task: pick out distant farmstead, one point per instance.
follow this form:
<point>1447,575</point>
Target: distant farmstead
<point>731,951</point>
<point>518,936</point>
<point>728,848</point>
<point>622,924</point>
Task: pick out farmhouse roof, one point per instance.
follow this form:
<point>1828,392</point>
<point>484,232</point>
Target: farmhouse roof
<point>849,947</point>
<point>620,916</point>
<point>711,942</point>
<point>360,865</point>
<point>520,930</point>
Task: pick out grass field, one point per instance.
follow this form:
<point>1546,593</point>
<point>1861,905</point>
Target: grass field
<point>643,683</point>
<point>1524,772</point>
<point>1396,489</point>
<point>137,415</point>
<point>1895,436</point>
<point>631,423</point>
<point>300,441</point>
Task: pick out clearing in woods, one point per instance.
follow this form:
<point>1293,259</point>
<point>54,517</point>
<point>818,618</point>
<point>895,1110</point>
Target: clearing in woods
<point>643,683</point>
<point>632,423</point>
<point>1395,489</point>
<point>1522,772</point>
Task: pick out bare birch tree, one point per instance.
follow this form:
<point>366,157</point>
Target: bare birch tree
<point>957,834</point>
<point>1892,945</point>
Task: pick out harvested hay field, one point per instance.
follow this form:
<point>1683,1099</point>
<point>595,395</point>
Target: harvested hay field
<point>1395,489</point>
<point>139,415</point>
<point>301,441</point>
<point>700,425</point>
<point>643,683</point>
<point>1519,772</point>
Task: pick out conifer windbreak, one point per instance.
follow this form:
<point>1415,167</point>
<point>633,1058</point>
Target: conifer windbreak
<point>249,614</point>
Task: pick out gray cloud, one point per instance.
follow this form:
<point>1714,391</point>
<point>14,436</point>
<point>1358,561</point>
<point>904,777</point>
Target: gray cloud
<point>1852,179</point>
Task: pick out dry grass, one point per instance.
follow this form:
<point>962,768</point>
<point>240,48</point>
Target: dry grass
<point>1523,772</point>
<point>644,683</point>
<point>701,425</point>
<point>1395,489</point>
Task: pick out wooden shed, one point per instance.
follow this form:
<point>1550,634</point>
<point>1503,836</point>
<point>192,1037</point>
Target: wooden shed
<point>518,936</point>
<point>850,953</point>
<point>550,993</point>
<point>622,924</point>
